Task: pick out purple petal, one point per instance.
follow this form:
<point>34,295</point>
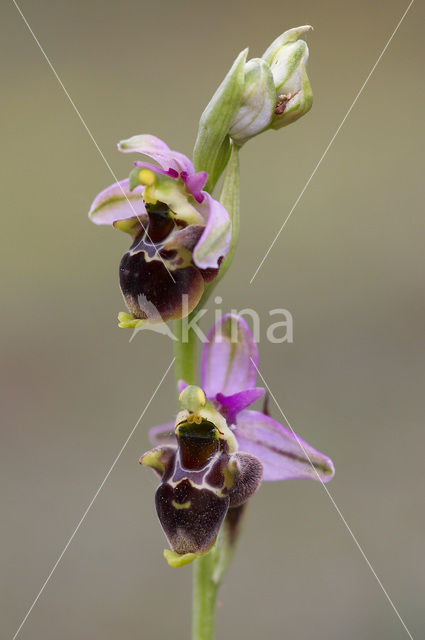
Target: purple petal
<point>171,172</point>
<point>195,183</point>
<point>226,358</point>
<point>117,202</point>
<point>163,434</point>
<point>232,405</point>
<point>215,240</point>
<point>157,150</point>
<point>284,456</point>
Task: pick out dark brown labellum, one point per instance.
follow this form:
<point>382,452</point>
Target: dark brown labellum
<point>191,517</point>
<point>200,481</point>
<point>158,278</point>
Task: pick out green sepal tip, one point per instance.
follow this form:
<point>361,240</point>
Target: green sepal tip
<point>212,147</point>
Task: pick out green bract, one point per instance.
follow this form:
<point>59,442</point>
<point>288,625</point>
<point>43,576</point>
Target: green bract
<point>212,147</point>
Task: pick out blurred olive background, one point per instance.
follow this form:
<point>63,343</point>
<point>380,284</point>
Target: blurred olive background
<point>349,266</point>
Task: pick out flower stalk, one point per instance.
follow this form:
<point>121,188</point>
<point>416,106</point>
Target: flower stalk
<point>204,595</point>
<point>185,352</point>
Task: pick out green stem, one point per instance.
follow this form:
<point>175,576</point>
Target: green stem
<point>204,597</point>
<point>185,352</point>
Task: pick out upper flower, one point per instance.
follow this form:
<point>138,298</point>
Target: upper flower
<point>246,441</point>
<point>180,232</point>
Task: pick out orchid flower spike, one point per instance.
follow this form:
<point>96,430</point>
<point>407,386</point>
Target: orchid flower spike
<point>214,456</point>
<point>180,233</point>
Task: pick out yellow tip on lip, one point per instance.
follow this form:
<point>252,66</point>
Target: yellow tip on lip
<point>127,321</point>
<point>176,560</point>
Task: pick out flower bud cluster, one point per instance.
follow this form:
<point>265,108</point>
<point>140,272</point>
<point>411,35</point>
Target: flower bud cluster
<point>256,95</point>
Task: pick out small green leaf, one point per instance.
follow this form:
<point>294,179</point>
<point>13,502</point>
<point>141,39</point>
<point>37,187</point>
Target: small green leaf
<point>134,178</point>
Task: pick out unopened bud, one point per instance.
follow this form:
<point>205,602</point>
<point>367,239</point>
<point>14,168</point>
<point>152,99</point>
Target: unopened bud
<point>287,57</point>
<point>258,102</point>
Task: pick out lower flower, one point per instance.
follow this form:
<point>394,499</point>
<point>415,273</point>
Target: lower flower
<point>201,477</point>
<point>217,452</point>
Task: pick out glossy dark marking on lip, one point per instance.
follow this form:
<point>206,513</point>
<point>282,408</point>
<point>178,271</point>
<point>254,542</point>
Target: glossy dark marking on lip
<point>197,444</point>
<point>160,222</point>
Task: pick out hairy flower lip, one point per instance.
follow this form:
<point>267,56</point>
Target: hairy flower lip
<point>201,477</point>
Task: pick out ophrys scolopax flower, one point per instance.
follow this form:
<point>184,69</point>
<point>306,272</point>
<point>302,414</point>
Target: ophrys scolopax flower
<point>180,233</point>
<point>215,454</point>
